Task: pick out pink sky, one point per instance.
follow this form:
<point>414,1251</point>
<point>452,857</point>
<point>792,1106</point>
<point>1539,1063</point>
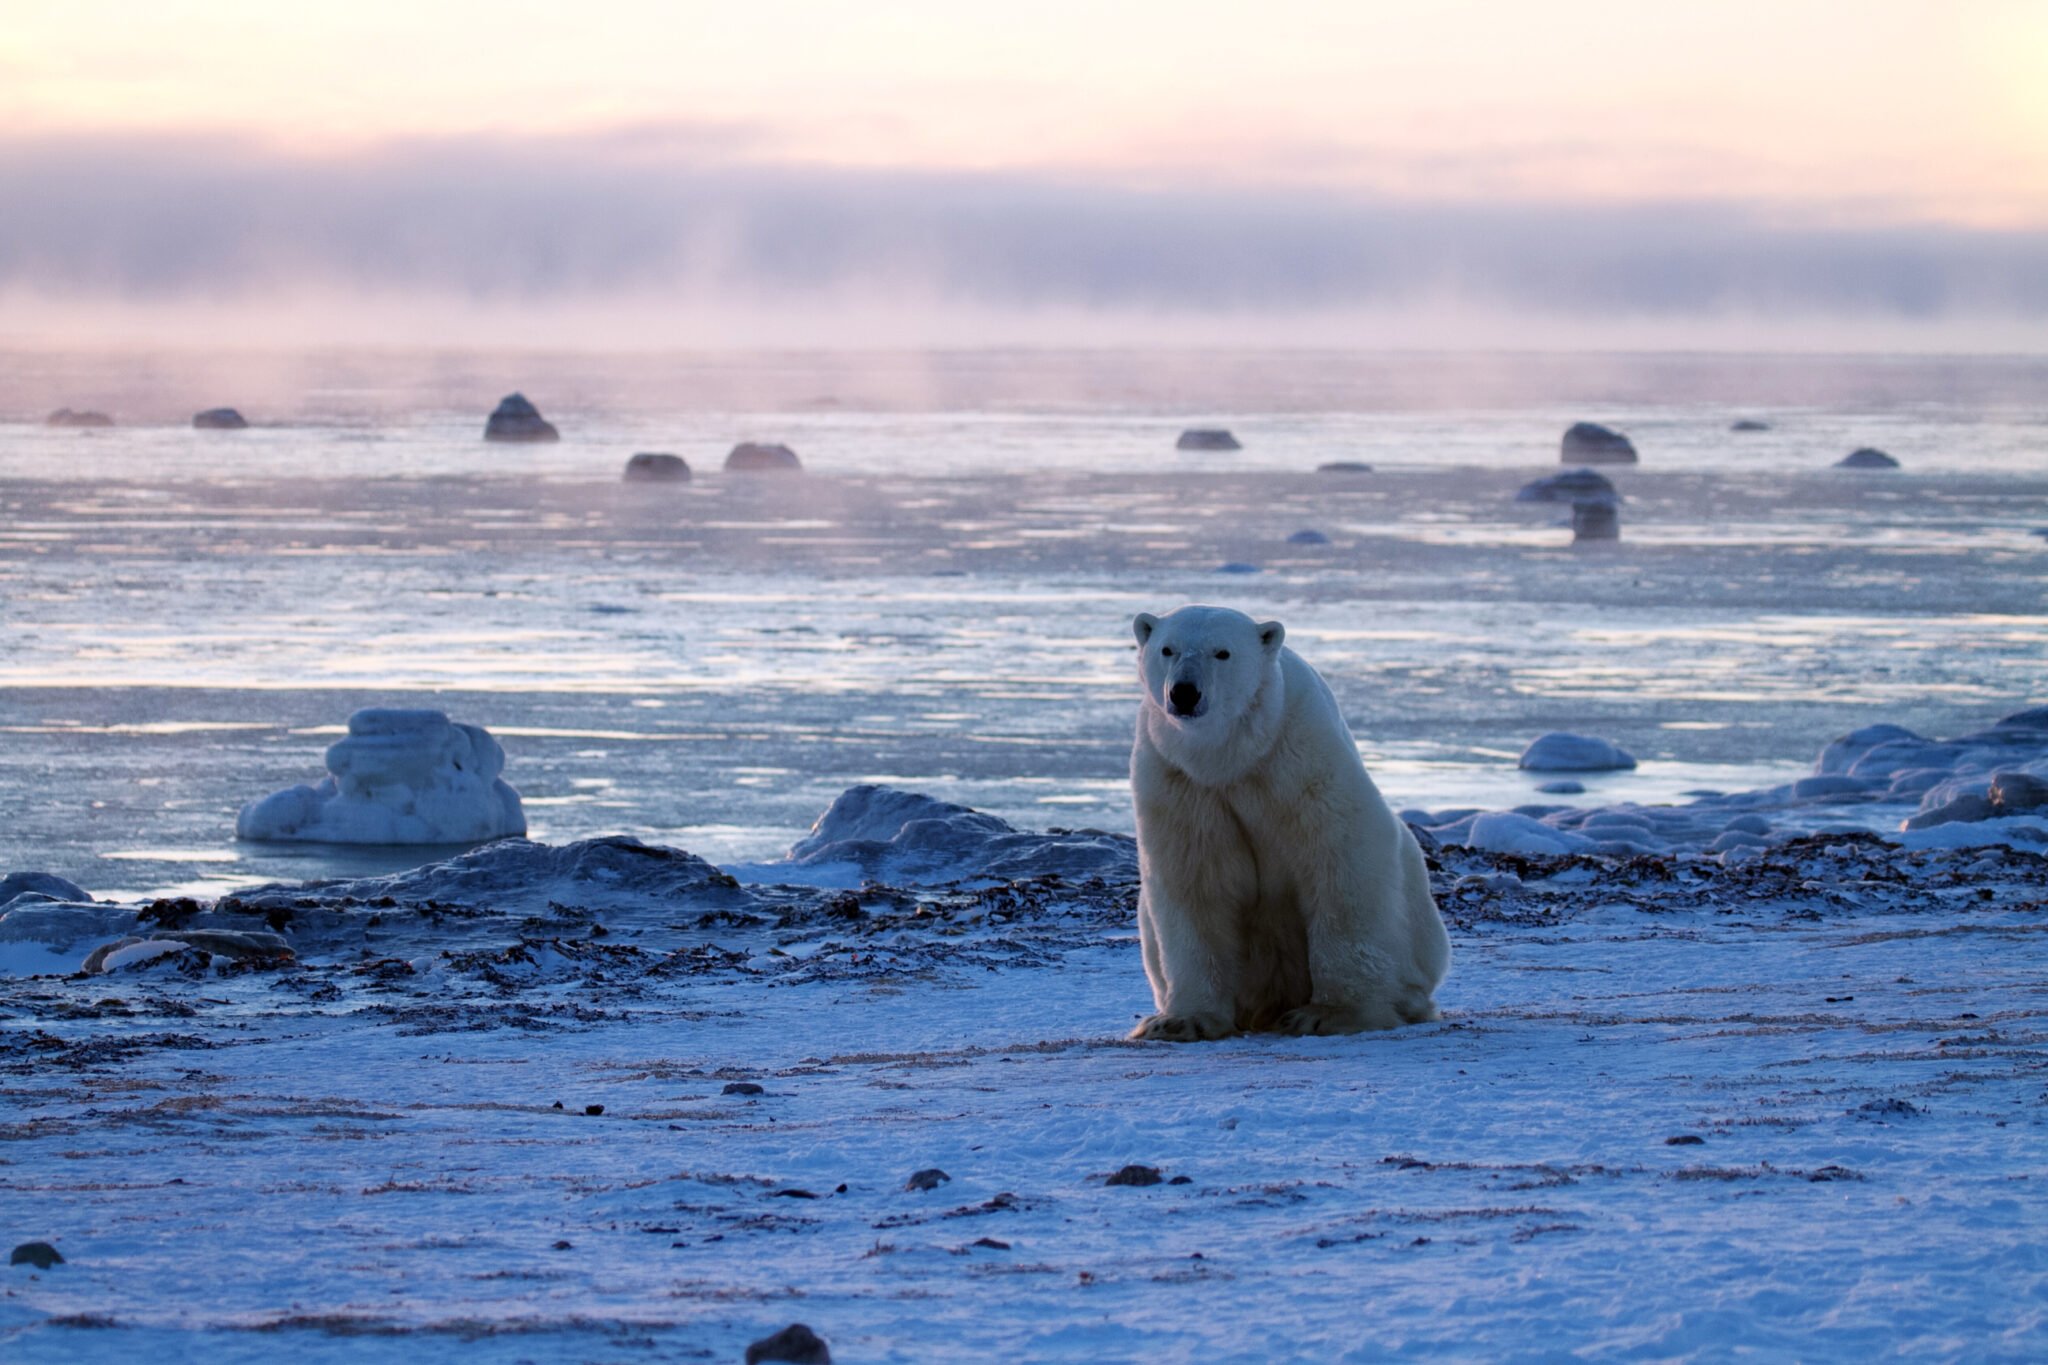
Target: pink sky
<point>1879,110</point>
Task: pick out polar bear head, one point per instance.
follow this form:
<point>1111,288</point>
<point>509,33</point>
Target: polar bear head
<point>1203,667</point>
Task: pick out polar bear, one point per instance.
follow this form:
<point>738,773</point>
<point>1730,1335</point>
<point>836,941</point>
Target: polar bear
<point>1277,890</point>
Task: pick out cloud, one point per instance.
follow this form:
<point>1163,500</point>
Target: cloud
<point>682,216</point>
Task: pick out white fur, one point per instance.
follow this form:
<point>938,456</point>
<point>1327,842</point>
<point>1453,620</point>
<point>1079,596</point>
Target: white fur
<point>1277,889</point>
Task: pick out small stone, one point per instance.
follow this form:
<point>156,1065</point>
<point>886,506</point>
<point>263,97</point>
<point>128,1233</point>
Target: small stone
<point>1207,438</point>
<point>219,419</point>
<point>565,1246</point>
<point>796,1344</point>
<point>742,1088</point>
<point>1749,424</point>
<point>65,417</point>
<point>1308,536</point>
<point>1344,467</point>
<point>1562,787</point>
<point>1685,1140</point>
<point>991,1243</point>
<point>1237,566</point>
<point>41,1255</point>
<point>593,1109</point>
<point>1866,458</point>
<point>928,1179</point>
<point>1135,1175</point>
<point>1182,1180</point>
<point>558,1104</point>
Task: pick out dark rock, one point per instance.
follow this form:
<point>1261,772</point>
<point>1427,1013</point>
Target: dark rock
<point>1207,438</point>
<point>1308,537</point>
<point>1183,1180</point>
<point>1893,1108</point>
<point>650,467</point>
<point>43,884</point>
<point>1595,519</point>
<point>593,1109</point>
<point>1570,486</point>
<point>991,1243</point>
<point>1344,467</point>
<point>759,457</point>
<point>796,1344</point>
<point>928,1179</point>
<point>742,1088</point>
<point>1591,443</point>
<point>1562,787</point>
<point>1684,1140</point>
<point>1965,809</point>
<point>1749,424</point>
<point>1237,566</point>
<point>1135,1175</point>
<point>516,419</point>
<point>65,417</point>
<point>41,1255</point>
<point>219,419</point>
<point>1866,458</point>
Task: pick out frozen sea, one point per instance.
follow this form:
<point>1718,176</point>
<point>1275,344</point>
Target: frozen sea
<point>940,601</point>
<point>589,1098</point>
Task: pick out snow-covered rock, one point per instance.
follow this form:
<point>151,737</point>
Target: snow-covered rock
<point>907,836</point>
<point>1504,831</point>
<point>1561,752</point>
<point>400,777</point>
<point>41,886</point>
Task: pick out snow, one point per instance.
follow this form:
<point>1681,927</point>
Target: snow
<point>1791,1107</point>
<point>402,776</point>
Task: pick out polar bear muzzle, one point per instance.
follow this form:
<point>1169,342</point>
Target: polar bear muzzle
<point>1185,699</point>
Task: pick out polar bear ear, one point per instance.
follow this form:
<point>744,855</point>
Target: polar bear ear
<point>1271,633</point>
<point>1142,625</point>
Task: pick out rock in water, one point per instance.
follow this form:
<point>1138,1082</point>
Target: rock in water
<point>1560,752</point>
<point>41,1255</point>
<point>761,457</point>
<point>1569,486</point>
<point>1308,537</point>
<point>65,417</point>
<point>648,467</point>
<point>1207,438</point>
<point>1135,1175</point>
<point>1595,519</point>
<point>1344,467</point>
<point>796,1343</point>
<point>1591,443</point>
<point>219,419</point>
<point>516,419</point>
<point>400,777</point>
<point>928,1179</point>
<point>1749,424</point>
<point>1866,458</point>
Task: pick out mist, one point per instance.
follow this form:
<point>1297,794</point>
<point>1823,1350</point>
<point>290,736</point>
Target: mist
<point>681,235</point>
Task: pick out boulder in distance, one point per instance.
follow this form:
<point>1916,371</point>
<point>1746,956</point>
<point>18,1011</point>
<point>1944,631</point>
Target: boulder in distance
<point>516,419</point>
<point>219,419</point>
<point>1591,443</point>
<point>652,467</point>
<point>1207,438</point>
<point>762,457</point>
<point>1866,458</point>
<point>65,417</point>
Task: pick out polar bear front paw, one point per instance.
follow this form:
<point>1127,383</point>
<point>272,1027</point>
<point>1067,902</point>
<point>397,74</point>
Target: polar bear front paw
<point>1306,1021</point>
<point>1182,1028</point>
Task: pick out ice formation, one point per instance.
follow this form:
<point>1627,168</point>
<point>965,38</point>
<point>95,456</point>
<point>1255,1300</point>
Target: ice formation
<point>400,777</point>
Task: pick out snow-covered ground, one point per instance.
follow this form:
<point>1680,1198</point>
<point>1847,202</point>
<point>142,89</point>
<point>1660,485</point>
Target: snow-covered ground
<point>1676,1108</point>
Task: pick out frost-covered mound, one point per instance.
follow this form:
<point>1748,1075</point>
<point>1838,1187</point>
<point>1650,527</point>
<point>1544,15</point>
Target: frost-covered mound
<point>893,835</point>
<point>1559,752</point>
<point>400,777</point>
<point>1985,788</point>
<point>43,886</point>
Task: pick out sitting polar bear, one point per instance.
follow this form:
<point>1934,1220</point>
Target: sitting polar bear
<point>1277,891</point>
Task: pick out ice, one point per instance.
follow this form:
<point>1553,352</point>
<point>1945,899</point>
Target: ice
<point>15,885</point>
<point>402,776</point>
<point>896,835</point>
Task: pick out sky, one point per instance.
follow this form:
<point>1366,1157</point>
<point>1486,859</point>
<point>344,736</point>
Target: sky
<point>1567,173</point>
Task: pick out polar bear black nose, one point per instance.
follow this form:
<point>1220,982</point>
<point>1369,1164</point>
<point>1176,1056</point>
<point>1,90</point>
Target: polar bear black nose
<point>1184,698</point>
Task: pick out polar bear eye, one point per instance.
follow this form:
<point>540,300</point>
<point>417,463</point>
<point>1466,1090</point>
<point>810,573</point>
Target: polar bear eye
<point>1166,651</point>
<point>1222,653</point>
